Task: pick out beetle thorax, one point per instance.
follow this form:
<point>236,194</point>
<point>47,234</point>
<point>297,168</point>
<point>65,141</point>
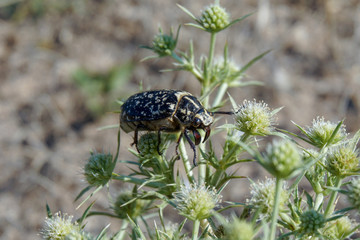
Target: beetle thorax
<point>190,113</point>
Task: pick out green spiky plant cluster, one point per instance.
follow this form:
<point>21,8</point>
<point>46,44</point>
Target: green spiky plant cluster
<point>274,210</point>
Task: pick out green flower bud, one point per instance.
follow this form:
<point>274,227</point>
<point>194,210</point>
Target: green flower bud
<point>263,197</point>
<point>254,118</point>
<point>282,159</point>
<point>239,230</point>
<point>320,132</point>
<point>147,145</point>
<point>340,228</point>
<point>353,193</point>
<point>311,222</point>
<point>196,202</point>
<point>125,205</point>
<point>98,170</point>
<point>214,18</point>
<point>164,44</point>
<point>59,227</point>
<point>342,159</point>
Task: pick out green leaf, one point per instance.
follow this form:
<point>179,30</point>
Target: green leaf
<point>89,196</point>
<point>252,61</point>
<point>102,233</point>
<point>239,19</point>
<point>196,26</point>
<point>82,192</point>
<point>309,201</point>
<point>136,230</point>
<point>336,130</point>
<point>187,12</point>
<point>48,211</point>
<point>85,214</point>
<point>233,103</point>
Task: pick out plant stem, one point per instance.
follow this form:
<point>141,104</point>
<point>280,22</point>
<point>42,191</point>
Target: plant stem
<point>331,204</point>
<point>186,162</point>
<point>212,49</point>
<point>202,167</point>
<point>195,232</point>
<point>275,212</point>
<point>206,84</point>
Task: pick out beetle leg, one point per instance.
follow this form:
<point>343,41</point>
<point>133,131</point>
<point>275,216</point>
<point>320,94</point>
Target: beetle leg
<point>197,137</point>
<point>207,133</point>
<point>159,141</point>
<point>192,145</point>
<point>136,139</point>
<point>177,145</point>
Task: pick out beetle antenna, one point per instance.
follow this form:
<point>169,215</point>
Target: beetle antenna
<point>224,112</point>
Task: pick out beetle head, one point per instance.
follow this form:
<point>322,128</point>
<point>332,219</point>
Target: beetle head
<point>202,119</point>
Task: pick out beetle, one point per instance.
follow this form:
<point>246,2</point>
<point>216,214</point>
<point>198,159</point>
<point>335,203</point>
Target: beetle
<point>168,111</point>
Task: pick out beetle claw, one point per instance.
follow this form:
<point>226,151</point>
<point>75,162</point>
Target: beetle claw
<point>207,133</point>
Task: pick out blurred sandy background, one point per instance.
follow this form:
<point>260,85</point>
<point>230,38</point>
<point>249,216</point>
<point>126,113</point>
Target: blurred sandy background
<point>64,63</point>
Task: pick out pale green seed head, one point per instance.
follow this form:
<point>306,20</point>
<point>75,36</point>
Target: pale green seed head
<point>254,118</point>
<point>214,18</point>
<point>342,159</point>
<point>196,202</point>
<point>340,228</point>
<point>59,227</point>
<point>262,197</point>
<point>239,230</point>
<point>282,158</point>
<point>321,131</point>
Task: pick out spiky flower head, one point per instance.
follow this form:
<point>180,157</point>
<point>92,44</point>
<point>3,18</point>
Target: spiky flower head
<point>164,44</point>
<point>353,193</point>
<point>263,197</point>
<point>98,170</point>
<point>126,205</point>
<point>148,149</point>
<point>342,159</point>
<point>239,230</point>
<point>341,228</point>
<point>196,202</point>
<point>321,132</point>
<point>214,18</point>
<point>282,158</point>
<point>311,222</point>
<point>254,118</point>
<point>59,227</point>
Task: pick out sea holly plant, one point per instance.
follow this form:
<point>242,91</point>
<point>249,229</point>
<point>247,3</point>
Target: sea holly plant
<point>322,154</point>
